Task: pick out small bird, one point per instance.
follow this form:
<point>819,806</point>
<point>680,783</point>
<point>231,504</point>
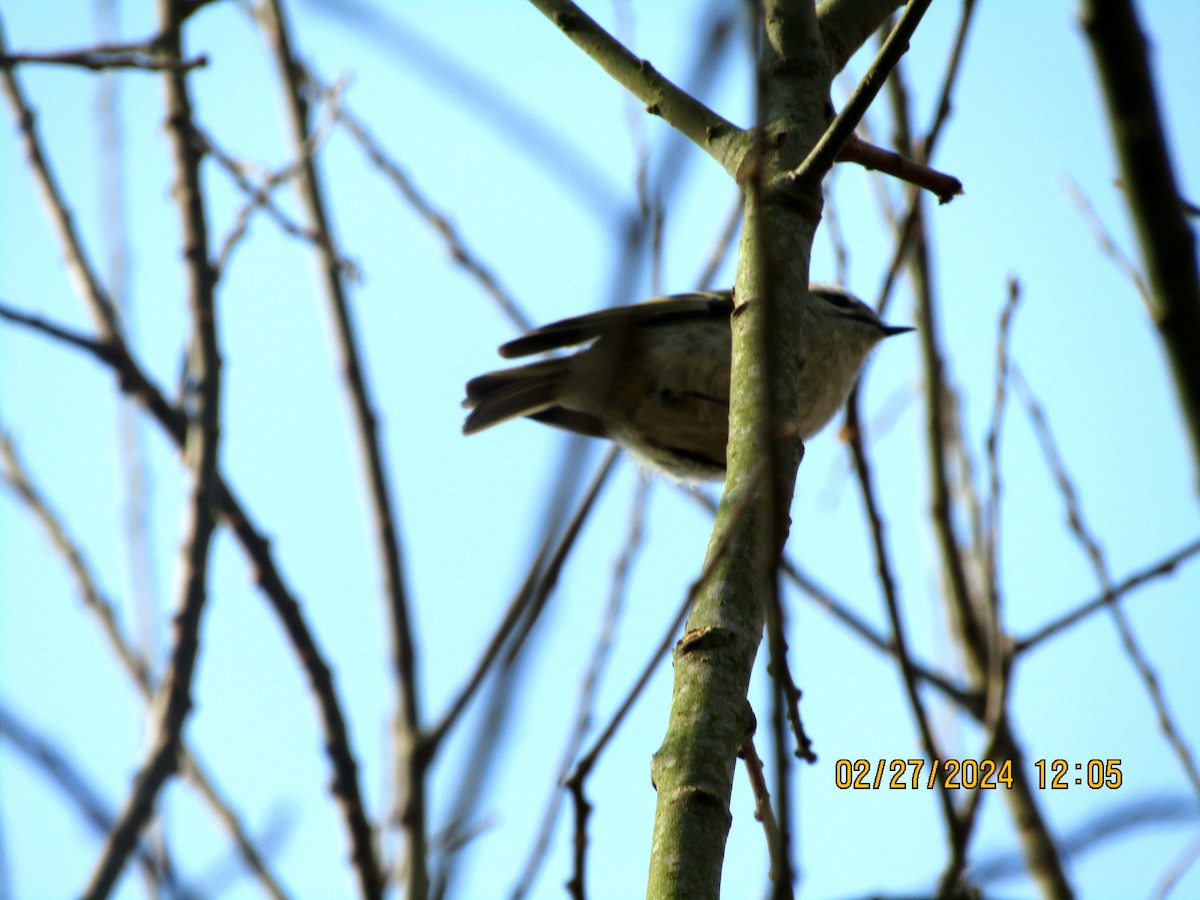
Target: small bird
<point>655,375</point>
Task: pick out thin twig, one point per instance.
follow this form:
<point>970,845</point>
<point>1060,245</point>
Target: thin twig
<point>70,781</point>
<point>258,553</point>
<point>99,304</point>
<point>144,55</point>
<point>19,479</point>
<point>996,667</point>
<point>575,782</point>
<point>763,811</point>
<point>173,700</point>
<point>1095,555</point>
<point>843,613</point>
<point>887,584</point>
<point>535,593</point>
<point>590,684</point>
<point>259,197</point>
<point>1165,566</point>
<point>1108,243</point>
<point>943,107</point>
<point>539,580</point>
<point>719,138</point>
<point>944,187</point>
<point>460,253</point>
<point>111,350</point>
<point>1178,869</point>
<point>989,552</point>
<point>833,141</point>
<point>409,765</point>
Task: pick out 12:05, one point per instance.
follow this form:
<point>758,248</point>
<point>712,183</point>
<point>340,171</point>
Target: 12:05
<point>1101,773</point>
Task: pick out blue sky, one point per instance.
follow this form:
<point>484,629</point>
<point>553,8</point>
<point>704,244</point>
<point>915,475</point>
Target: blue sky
<point>1027,117</point>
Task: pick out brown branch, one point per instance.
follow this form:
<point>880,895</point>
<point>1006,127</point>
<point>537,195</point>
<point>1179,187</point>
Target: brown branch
<point>590,684</point>
<point>1108,244</point>
<point>173,701</point>
<point>960,600</point>
<point>1165,566</point>
<point>887,584</point>
<point>147,56</point>
<point>821,157</point>
<point>944,187</point>
<point>1095,556</point>
<point>1148,175</point>
<point>843,613</point>
<point>111,349</point>
<point>99,304</point>
<point>996,666</point>
<point>70,781</point>
<point>575,782</point>
<point>534,595</point>
<point>460,253</point>
<point>999,649</point>
<point>941,113</point>
<point>19,479</point>
<point>781,672</point>
<point>764,814</point>
<point>259,197</point>
<point>409,764</point>
<point>528,602</point>
<point>910,223</point>
<point>105,353</point>
<point>721,139</point>
<point>982,649</point>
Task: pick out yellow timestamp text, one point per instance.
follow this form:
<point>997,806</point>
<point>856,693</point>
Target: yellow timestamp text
<point>914,774</point>
<point>1060,774</point>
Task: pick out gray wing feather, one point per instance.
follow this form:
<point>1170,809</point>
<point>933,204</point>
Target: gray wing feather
<point>581,329</point>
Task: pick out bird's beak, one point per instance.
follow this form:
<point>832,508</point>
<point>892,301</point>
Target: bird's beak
<point>893,330</point>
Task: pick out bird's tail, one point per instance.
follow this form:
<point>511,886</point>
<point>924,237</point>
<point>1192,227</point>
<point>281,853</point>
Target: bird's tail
<point>510,393</point>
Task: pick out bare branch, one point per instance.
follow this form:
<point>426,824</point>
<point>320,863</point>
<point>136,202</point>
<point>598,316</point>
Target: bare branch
<point>409,764</point>
<point>1108,244</point>
<point>887,584</point>
<point>134,665</point>
<point>460,253</point>
<point>832,142</point>
<point>722,140</point>
<point>1148,173</point>
<point>529,600</point>
<point>944,187</point>
<point>590,685</point>
<point>1166,566</point>
<point>70,781</point>
<point>111,350</point>
<point>173,700</point>
<point>763,812</point>
<point>146,55</point>
<point>1095,555</point>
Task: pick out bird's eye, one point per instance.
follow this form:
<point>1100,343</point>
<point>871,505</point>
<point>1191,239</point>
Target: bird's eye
<point>839,300</point>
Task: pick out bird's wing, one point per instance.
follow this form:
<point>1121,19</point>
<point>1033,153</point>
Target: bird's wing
<point>581,329</point>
